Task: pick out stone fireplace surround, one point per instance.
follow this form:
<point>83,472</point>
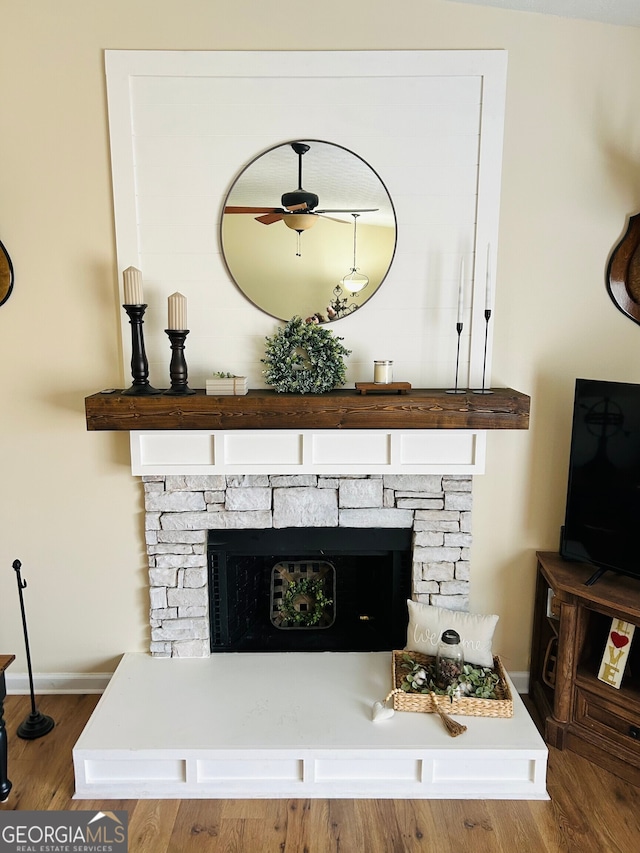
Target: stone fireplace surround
<point>181,509</point>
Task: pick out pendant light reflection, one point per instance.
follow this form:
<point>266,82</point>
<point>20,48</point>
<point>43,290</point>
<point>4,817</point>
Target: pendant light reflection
<point>354,281</point>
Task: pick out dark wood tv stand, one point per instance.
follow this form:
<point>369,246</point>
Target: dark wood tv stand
<point>570,626</point>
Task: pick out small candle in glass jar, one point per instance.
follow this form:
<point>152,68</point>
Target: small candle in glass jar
<point>382,372</point>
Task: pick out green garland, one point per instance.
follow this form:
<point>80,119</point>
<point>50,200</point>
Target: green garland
<point>314,589</point>
<point>304,358</point>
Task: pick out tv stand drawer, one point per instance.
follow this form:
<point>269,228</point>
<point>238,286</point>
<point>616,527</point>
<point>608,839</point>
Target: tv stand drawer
<point>613,722</point>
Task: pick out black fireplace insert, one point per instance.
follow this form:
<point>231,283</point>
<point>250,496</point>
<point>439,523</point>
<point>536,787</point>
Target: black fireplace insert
<point>309,589</point>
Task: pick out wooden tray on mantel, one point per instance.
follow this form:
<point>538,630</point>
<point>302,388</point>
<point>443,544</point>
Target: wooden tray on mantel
<point>383,387</point>
<point>419,408</point>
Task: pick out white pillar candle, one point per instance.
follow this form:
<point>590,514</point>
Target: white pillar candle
<point>487,296</point>
<point>133,287</point>
<point>177,312</point>
<point>461,293</point>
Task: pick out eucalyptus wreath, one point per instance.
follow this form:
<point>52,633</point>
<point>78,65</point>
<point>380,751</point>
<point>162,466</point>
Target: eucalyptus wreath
<point>304,358</point>
<point>310,588</point>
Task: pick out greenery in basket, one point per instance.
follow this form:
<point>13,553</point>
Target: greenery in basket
<point>221,374</point>
<point>314,589</point>
<point>477,682</point>
<point>304,358</point>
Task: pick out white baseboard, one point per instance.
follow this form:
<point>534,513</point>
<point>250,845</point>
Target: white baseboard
<point>520,681</point>
<point>57,682</point>
<point>95,682</point>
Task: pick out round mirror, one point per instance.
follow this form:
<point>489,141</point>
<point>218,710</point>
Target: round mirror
<point>6,275</point>
<point>308,229</point>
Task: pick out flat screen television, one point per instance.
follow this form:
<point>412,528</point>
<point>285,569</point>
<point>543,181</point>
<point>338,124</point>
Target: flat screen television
<point>602,518</point>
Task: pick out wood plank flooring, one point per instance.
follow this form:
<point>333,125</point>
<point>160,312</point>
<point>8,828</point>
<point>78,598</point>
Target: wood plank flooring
<point>590,810</point>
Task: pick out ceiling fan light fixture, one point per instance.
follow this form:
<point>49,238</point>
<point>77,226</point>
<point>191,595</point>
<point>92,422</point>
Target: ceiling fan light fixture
<point>300,221</point>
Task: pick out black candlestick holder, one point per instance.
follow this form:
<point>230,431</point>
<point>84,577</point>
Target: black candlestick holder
<point>457,390</point>
<point>178,366</point>
<point>483,390</point>
<point>140,386</point>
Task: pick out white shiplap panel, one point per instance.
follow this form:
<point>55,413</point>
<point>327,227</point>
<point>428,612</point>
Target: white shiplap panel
<point>196,120</point>
<point>182,178</point>
<point>429,122</point>
<point>418,209</point>
<point>192,210</point>
<point>327,90</point>
<point>187,239</point>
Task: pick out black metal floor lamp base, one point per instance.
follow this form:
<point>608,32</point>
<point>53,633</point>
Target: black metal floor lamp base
<point>34,726</point>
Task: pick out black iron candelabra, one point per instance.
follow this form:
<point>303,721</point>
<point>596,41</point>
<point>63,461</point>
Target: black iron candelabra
<point>178,366</point>
<point>36,724</point>
<point>139,365</point>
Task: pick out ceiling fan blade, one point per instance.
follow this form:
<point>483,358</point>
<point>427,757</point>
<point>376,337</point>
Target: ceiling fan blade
<point>270,218</point>
<point>335,219</point>
<point>240,209</point>
<point>358,210</point>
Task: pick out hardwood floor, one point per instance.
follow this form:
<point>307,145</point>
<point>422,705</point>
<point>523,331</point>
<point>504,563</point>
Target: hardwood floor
<point>590,810</point>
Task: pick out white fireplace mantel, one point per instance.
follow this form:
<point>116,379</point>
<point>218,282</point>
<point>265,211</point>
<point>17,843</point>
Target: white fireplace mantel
<point>308,452</point>
<point>422,431</point>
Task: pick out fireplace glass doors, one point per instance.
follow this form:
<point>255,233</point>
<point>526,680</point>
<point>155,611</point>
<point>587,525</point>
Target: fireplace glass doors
<point>318,589</point>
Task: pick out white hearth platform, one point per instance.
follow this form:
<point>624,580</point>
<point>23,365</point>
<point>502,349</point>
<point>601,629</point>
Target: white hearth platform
<point>291,725</point>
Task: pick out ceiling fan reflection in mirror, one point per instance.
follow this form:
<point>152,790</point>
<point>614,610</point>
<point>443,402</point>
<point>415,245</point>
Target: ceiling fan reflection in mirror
<point>299,208</point>
<point>342,188</point>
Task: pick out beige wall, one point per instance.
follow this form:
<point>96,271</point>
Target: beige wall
<point>69,508</point>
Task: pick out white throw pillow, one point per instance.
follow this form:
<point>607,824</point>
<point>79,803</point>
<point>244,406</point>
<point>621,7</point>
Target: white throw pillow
<point>427,622</point>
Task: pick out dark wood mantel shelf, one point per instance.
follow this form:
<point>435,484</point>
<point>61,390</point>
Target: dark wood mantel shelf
<point>343,409</point>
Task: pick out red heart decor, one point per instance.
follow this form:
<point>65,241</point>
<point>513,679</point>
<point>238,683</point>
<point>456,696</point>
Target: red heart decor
<point>618,640</point>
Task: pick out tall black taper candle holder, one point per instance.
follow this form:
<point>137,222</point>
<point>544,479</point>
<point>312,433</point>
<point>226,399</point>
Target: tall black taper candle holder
<point>483,390</point>
<point>178,365</point>
<point>139,364</point>
<point>36,724</point>
<point>457,390</point>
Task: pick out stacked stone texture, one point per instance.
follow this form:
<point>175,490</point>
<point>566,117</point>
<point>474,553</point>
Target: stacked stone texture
<point>180,510</point>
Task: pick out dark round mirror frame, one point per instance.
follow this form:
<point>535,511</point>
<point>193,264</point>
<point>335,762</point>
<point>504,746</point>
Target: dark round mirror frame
<point>6,274</point>
<point>249,165</point>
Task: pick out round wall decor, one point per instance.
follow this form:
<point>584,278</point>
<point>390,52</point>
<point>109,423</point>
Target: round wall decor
<point>623,272</point>
<point>304,358</point>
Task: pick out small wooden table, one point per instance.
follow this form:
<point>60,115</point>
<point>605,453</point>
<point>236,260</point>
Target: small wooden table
<point>5,784</point>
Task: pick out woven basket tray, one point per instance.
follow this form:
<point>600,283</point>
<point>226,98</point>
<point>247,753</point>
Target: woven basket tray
<point>467,706</point>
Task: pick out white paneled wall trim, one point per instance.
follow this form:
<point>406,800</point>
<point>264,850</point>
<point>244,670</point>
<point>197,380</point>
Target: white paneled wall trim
<point>183,124</point>
<point>308,452</point>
